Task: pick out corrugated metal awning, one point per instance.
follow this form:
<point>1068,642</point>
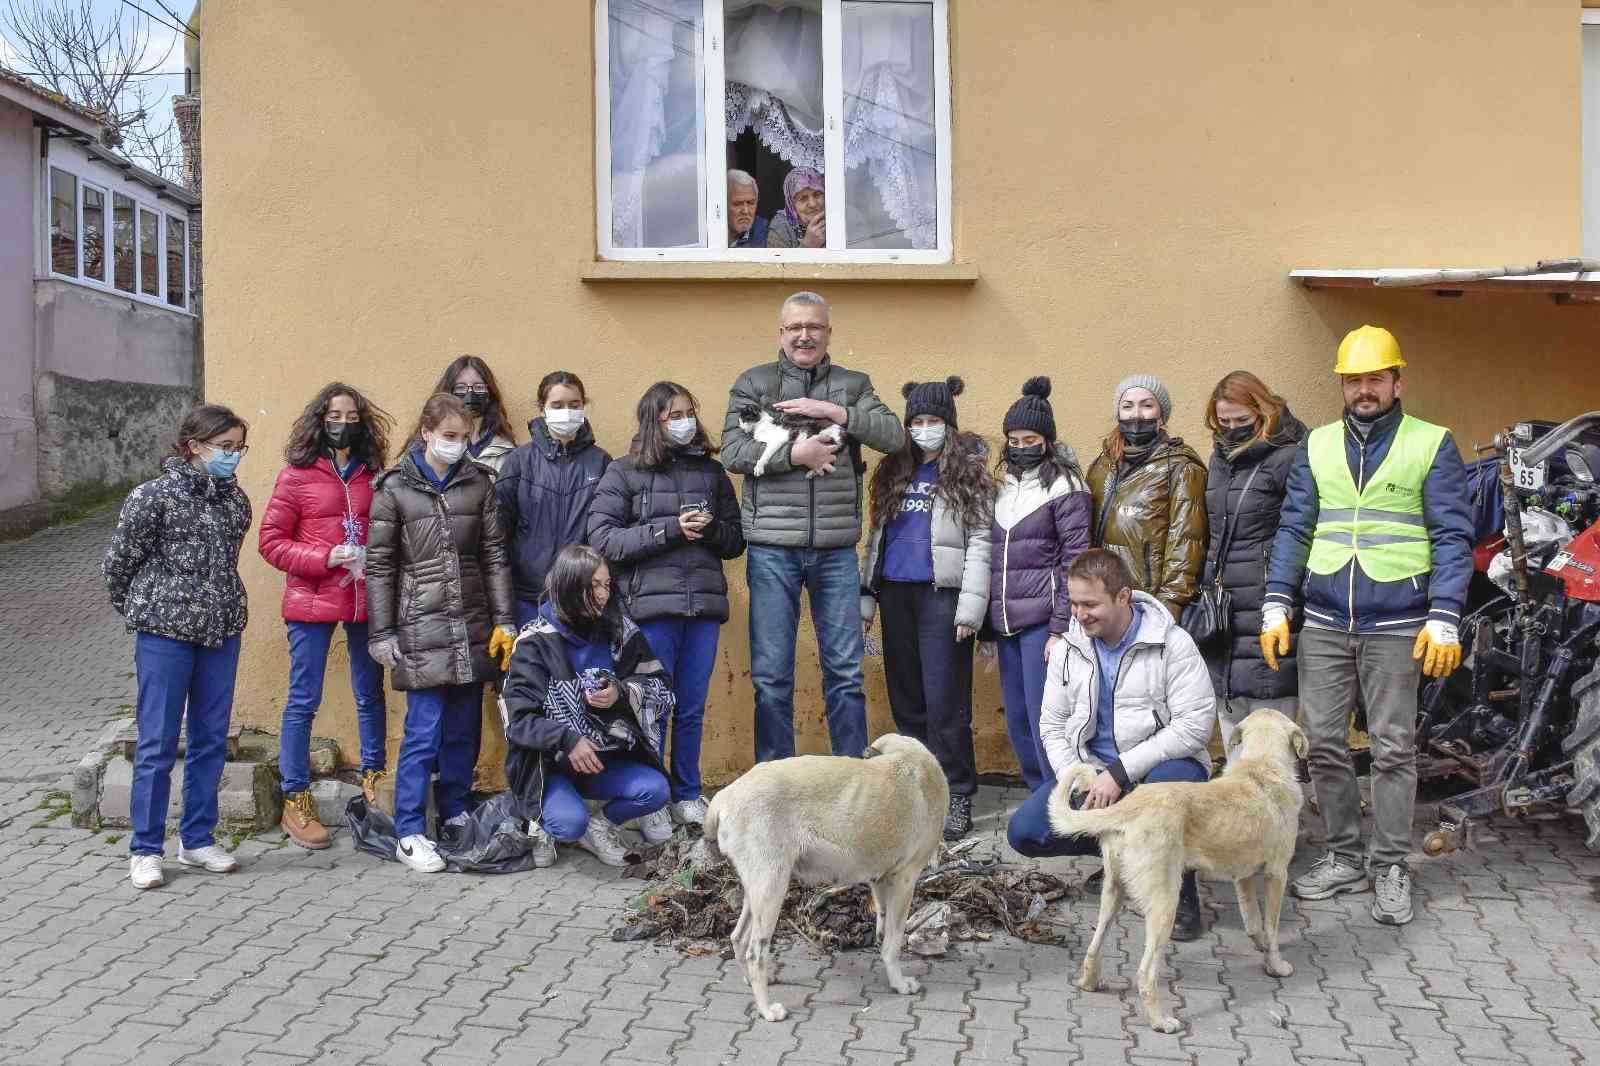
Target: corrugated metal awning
<point>1562,287</point>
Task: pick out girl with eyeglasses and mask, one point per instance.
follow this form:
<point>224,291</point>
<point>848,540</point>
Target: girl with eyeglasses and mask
<point>314,529</point>
<point>546,486</point>
<point>439,615</point>
<point>1041,524</point>
<point>173,573</point>
<point>490,438</point>
<point>1150,495</point>
<point>666,519</point>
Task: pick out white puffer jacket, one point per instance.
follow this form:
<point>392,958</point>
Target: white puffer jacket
<point>1165,705</point>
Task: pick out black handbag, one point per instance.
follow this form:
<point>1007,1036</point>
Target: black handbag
<point>1209,618</point>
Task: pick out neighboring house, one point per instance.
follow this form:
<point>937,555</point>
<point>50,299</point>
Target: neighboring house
<point>98,336</point>
<point>1078,188</point>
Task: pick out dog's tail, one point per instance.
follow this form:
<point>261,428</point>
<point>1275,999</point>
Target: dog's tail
<point>708,832</point>
<point>1067,820</point>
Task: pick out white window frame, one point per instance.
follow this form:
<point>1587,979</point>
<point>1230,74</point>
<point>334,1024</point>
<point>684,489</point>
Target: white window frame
<point>105,230</point>
<point>102,178</point>
<point>715,189</point>
<point>167,219</point>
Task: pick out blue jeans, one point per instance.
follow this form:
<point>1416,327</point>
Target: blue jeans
<point>832,576</point>
<point>308,665</point>
<point>687,647</point>
<point>175,676</point>
<point>1029,831</point>
<point>630,788</point>
<point>441,734</point>
<point>1022,669</point>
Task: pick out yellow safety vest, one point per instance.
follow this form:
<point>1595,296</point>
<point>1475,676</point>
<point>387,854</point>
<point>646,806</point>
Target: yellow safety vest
<point>1381,526</point>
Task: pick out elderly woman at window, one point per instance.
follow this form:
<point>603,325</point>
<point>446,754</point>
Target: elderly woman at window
<point>801,223</point>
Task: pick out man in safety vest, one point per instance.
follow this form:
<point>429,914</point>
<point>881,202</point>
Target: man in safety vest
<point>1376,536</point>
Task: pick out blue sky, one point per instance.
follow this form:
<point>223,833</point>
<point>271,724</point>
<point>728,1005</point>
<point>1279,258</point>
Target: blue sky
<point>165,52</point>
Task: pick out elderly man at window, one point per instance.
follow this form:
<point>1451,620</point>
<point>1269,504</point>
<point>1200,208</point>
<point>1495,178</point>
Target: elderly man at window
<point>746,229</point>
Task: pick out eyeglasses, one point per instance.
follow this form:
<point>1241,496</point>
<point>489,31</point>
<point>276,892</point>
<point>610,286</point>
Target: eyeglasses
<point>805,327</point>
<point>227,447</point>
<point>471,390</point>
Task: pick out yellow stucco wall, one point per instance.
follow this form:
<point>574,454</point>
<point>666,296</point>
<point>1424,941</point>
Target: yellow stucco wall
<point>1133,183</point>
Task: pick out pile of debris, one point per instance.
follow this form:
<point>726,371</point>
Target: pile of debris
<point>694,904</point>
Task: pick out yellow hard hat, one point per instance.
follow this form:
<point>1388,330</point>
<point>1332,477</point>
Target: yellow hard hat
<point>1367,349</point>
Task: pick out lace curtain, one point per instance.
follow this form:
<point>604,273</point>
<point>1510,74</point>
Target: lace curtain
<point>890,146</point>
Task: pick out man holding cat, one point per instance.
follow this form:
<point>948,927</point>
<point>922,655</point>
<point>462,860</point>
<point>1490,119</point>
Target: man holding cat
<point>802,529</point>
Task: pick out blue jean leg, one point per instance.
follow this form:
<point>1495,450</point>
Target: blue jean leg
<point>833,580</point>
<point>629,787</point>
<point>775,576</point>
<point>1029,832</point>
<point>366,684</point>
<point>688,649</point>
<point>176,677</point>
<point>441,732</point>
<point>1022,671</point>
<point>308,663</point>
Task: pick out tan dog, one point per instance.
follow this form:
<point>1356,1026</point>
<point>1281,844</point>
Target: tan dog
<point>829,821</point>
<point>1235,826</point>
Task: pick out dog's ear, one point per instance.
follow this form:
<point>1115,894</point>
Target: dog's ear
<point>1235,738</point>
<point>1302,746</point>
<point>870,752</point>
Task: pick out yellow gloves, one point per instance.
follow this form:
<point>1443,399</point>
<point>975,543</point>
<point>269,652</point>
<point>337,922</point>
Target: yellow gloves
<point>1439,648</point>
<point>1274,634</point>
<point>500,644</point>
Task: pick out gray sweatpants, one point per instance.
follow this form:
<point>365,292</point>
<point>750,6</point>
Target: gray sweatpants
<point>1332,665</point>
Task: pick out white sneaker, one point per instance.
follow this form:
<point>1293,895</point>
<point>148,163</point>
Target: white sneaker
<point>145,871</point>
<point>691,812</point>
<point>600,840</point>
<point>419,853</point>
<point>211,858</point>
<point>544,848</point>
<point>656,826</point>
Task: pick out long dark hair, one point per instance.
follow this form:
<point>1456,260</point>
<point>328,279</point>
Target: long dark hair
<point>305,436</point>
<point>965,484</point>
<point>651,448</point>
<point>204,422</point>
<point>496,423</point>
<point>567,587</point>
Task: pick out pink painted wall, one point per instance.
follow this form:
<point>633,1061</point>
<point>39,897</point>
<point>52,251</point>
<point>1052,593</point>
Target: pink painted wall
<point>18,469</point>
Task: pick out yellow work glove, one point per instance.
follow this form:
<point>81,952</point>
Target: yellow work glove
<point>1439,648</point>
<point>1274,634</point>
<point>500,644</point>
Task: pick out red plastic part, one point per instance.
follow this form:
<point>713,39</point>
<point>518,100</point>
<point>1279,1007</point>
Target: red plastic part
<point>1578,565</point>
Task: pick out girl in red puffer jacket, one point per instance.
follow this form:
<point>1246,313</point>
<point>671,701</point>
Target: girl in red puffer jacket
<point>315,530</point>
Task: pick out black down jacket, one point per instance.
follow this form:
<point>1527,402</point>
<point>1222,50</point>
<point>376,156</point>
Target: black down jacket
<point>173,565</point>
<point>634,522</point>
<point>436,573</point>
<point>1240,670</point>
<point>545,488</point>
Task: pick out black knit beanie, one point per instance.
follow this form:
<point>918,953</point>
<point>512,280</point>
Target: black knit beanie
<point>1032,412</point>
<point>936,398</point>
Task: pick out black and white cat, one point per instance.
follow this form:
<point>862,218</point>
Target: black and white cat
<point>772,429</point>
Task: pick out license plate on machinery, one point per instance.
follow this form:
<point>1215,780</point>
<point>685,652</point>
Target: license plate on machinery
<point>1524,476</point>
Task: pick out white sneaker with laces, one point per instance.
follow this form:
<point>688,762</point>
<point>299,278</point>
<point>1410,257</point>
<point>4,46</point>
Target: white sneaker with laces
<point>691,812</point>
<point>544,848</point>
<point>656,826</point>
<point>145,871</point>
<point>211,858</point>
<point>419,853</point>
<point>600,840</point>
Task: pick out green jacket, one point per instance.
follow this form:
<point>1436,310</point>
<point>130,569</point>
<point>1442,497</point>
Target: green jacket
<point>783,508</point>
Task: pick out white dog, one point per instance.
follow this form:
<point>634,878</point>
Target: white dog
<point>1235,826</point>
<point>772,429</point>
<point>829,820</point>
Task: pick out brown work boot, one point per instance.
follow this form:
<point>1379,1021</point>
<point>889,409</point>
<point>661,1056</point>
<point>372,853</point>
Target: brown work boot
<point>369,785</point>
<point>301,824</point>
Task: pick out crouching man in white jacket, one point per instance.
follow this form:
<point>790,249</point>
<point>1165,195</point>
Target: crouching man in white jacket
<point>1150,723</point>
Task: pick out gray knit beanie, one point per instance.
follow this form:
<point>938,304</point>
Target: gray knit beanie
<point>1143,381</point>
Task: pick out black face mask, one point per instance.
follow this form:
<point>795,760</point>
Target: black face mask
<point>1025,458</point>
<point>475,401</point>
<point>341,435</point>
<point>1233,436</point>
<point>1139,432</point>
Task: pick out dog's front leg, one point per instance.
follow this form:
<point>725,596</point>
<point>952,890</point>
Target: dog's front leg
<point>898,891</point>
<point>1276,964</point>
<point>1249,909</point>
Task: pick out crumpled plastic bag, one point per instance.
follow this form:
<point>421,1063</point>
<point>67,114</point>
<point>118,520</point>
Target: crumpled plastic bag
<point>492,840</point>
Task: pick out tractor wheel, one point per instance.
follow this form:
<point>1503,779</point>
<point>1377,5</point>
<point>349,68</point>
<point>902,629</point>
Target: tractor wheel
<point>1583,744</point>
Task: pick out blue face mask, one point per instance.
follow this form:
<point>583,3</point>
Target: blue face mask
<point>223,464</point>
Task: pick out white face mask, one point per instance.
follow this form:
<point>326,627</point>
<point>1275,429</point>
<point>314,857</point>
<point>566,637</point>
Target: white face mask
<point>448,452</point>
<point>682,430</point>
<point>928,438</point>
<point>564,421</point>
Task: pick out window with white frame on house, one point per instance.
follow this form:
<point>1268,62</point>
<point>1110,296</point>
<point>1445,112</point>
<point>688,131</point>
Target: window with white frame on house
<point>832,115</point>
<point>109,239</point>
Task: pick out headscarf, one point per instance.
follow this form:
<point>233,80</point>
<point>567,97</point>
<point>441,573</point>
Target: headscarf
<point>797,179</point>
